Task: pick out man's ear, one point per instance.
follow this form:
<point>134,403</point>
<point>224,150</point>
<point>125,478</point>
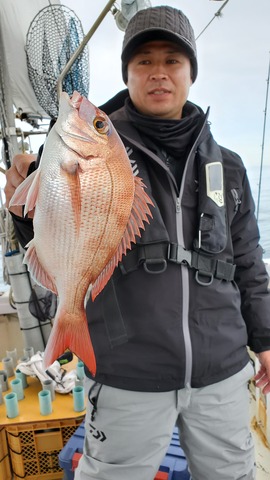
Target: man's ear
<point>191,74</point>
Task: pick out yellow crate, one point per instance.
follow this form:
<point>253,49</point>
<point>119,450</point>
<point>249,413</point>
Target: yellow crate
<point>5,469</point>
<point>34,448</point>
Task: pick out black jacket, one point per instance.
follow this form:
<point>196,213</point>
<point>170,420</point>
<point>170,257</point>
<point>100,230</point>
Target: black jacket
<point>159,331</point>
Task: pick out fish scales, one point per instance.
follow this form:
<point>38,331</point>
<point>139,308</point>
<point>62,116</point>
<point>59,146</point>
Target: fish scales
<point>88,210</point>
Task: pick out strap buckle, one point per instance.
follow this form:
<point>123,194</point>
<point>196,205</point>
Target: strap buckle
<point>178,254</point>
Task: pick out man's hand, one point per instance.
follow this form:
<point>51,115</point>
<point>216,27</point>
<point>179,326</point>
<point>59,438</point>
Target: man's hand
<point>15,175</point>
<point>262,378</point>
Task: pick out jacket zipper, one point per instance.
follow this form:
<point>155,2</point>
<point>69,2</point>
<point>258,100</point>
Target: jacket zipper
<point>180,240</point>
<point>185,298</point>
<point>184,268</point>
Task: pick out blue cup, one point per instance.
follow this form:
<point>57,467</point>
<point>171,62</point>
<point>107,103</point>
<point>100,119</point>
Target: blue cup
<point>8,366</point>
<point>80,370</point>
<point>22,376</point>
<point>24,359</point>
<point>12,406</point>
<point>45,402</point>
<point>29,352</point>
<point>16,387</point>
<point>12,354</point>
<point>78,399</point>
<point>4,380</point>
<point>49,385</point>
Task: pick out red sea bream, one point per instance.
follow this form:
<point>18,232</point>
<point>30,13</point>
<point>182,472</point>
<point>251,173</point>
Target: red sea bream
<point>88,209</point>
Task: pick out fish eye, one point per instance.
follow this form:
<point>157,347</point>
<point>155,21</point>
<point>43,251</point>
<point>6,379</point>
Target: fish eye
<point>101,125</point>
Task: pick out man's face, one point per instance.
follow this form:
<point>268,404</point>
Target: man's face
<point>159,79</point>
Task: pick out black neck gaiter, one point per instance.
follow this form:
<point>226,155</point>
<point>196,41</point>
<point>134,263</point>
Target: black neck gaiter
<point>170,139</point>
<point>174,136</point>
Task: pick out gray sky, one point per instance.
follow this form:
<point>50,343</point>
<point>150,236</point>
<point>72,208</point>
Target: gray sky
<point>233,57</point>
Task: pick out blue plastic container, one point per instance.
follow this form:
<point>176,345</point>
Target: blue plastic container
<point>74,445</point>
<point>174,461</point>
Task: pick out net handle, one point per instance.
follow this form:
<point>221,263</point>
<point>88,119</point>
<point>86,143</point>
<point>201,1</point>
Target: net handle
<point>82,45</point>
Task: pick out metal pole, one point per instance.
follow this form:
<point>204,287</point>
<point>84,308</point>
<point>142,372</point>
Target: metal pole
<point>82,45</point>
<point>263,139</point>
<point>7,120</point>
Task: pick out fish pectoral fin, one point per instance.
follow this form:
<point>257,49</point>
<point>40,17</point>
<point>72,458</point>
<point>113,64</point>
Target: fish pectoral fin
<point>74,185</point>
<point>140,213</point>
<point>37,271</point>
<point>26,193</point>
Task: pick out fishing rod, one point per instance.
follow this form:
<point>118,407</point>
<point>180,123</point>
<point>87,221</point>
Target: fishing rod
<point>121,19</point>
<point>263,141</point>
<point>82,45</point>
<point>217,14</point>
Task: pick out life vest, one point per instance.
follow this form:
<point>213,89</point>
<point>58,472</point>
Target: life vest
<point>154,248</point>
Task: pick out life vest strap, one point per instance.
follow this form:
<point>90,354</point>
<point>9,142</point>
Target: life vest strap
<point>154,258</point>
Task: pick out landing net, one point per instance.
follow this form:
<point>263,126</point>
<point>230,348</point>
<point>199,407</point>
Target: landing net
<point>53,36</point>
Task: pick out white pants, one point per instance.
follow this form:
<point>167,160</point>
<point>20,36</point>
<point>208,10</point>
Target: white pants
<point>131,431</point>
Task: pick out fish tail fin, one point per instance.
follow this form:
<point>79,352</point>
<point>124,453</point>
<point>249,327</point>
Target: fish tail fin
<point>70,333</point>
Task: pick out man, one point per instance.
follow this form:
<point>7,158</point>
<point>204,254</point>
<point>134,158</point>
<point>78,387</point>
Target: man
<point>170,330</point>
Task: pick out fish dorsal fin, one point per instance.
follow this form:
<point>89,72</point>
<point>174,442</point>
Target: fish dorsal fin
<point>26,193</point>
<point>139,214</point>
<point>38,273</point>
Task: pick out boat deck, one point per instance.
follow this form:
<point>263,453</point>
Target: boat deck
<point>261,449</point>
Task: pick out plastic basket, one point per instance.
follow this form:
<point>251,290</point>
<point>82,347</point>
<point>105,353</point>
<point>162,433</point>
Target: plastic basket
<point>71,453</point>
<point>5,470</point>
<point>34,448</point>
<point>173,466</point>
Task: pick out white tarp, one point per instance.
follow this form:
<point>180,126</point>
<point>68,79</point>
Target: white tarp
<point>15,19</point>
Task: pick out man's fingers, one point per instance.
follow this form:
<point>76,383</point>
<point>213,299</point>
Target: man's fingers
<point>22,161</point>
<point>262,380</point>
<point>15,175</point>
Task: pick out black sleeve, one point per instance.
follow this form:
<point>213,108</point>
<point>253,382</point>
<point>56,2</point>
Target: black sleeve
<point>251,275</point>
<point>23,229</point>
<point>23,226</point>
